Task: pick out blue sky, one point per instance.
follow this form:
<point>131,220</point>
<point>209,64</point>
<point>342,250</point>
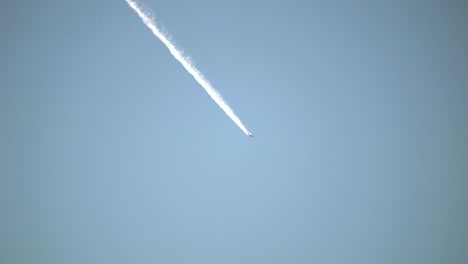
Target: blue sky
<point>110,152</point>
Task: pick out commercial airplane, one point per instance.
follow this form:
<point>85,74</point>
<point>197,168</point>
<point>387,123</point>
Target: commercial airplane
<point>250,135</point>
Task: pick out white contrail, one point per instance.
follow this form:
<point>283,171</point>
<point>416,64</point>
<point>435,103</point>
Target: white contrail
<point>151,24</point>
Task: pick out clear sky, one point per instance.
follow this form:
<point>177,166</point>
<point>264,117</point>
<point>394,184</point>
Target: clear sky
<point>110,152</point>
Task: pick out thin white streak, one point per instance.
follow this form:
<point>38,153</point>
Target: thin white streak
<point>185,61</point>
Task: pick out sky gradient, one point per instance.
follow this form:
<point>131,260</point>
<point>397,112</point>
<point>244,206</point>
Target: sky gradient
<point>110,152</point>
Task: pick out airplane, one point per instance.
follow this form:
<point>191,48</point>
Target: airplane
<point>250,135</point>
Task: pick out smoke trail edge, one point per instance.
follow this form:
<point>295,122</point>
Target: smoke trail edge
<point>147,16</point>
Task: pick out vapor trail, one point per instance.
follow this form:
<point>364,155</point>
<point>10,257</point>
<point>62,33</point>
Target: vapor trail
<point>146,16</point>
